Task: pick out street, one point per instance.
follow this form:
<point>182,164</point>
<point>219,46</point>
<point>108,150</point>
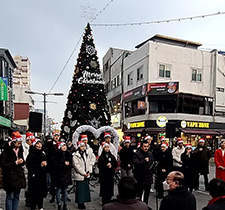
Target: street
<point>202,197</point>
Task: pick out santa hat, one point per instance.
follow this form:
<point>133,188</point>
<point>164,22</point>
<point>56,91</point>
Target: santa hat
<point>80,143</point>
<point>60,144</point>
<point>29,136</point>
<point>83,137</point>
<point>148,137</point>
<point>16,136</point>
<point>163,138</point>
<point>139,144</point>
<point>107,135</point>
<point>104,144</point>
<point>55,133</point>
<point>188,146</point>
<point>127,139</point>
<point>221,141</point>
<point>201,140</point>
<point>35,141</point>
<point>180,140</point>
<point>164,145</point>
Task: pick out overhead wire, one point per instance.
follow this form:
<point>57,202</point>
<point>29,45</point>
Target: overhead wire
<point>156,21</point>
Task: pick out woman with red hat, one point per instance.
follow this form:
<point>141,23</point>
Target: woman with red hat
<point>83,168</point>
<point>13,177</point>
<point>220,160</point>
<point>36,165</point>
<point>189,168</point>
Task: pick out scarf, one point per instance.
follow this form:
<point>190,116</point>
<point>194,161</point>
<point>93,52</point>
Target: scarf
<point>213,200</point>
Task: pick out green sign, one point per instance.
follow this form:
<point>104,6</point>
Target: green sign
<point>5,122</point>
<point>3,89</point>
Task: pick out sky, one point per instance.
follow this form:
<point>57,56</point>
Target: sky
<point>47,32</point>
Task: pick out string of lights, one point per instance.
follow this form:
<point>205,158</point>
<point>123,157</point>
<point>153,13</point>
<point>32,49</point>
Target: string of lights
<point>157,21</point>
<point>75,48</point>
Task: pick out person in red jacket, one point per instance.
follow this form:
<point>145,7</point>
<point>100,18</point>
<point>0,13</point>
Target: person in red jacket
<point>220,161</point>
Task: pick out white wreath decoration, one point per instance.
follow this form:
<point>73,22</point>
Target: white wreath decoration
<point>96,133</point>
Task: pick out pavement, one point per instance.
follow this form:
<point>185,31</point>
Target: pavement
<point>202,197</point>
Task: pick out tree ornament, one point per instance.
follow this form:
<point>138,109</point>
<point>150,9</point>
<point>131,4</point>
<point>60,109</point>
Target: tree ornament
<point>93,106</point>
<point>93,64</point>
<point>66,129</point>
<point>95,122</point>
<point>87,67</point>
<point>69,114</point>
<point>90,50</point>
<point>73,123</point>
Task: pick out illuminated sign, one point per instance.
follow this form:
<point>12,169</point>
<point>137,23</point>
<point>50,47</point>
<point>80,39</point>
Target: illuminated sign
<point>161,121</point>
<point>136,125</point>
<point>190,124</point>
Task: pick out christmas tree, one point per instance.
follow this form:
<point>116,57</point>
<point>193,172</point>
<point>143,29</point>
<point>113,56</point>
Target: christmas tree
<point>86,104</point>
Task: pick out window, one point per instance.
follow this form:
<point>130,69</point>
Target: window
<point>118,80</point>
<point>129,79</point>
<point>196,75</point>
<point>164,70</point>
<point>140,73</point>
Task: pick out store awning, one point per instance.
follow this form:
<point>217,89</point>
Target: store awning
<point>155,130</point>
<point>139,130</point>
<point>200,132</point>
<point>222,132</point>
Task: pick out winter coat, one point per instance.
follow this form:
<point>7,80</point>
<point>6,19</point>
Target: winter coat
<point>189,168</point>
<point>176,153</point>
<point>112,149</point>
<point>143,170</point>
<point>81,165</point>
<point>218,205</point>
<point>219,161</point>
<point>106,174</point>
<point>12,175</point>
<point>91,153</point>
<point>178,199</point>
<point>126,157</point>
<point>122,204</point>
<point>37,185</point>
<point>202,158</point>
<point>63,171</point>
<point>165,161</point>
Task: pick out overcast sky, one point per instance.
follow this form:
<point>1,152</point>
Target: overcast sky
<point>47,31</point>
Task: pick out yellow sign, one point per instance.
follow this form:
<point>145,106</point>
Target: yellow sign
<point>137,125</point>
<point>197,124</point>
<point>161,121</point>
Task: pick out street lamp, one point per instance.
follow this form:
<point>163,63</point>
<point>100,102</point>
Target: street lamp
<point>44,94</point>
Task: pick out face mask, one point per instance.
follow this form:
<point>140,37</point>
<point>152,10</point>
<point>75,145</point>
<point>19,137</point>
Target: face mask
<point>166,186</point>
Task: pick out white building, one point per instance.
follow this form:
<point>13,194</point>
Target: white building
<point>170,80</point>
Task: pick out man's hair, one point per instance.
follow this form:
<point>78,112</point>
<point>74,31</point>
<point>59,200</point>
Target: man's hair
<point>127,188</point>
<point>216,187</point>
<point>144,142</point>
<point>179,177</point>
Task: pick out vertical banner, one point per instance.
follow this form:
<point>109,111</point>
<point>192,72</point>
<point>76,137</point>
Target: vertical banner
<point>3,88</point>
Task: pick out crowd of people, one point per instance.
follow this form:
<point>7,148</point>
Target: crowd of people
<point>50,164</point>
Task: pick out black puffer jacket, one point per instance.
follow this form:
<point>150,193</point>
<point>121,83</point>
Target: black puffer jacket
<point>36,173</point>
<point>12,174</point>
<point>143,170</point>
<point>126,157</point>
<point>63,171</point>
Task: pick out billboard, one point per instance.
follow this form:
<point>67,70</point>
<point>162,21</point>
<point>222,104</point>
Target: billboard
<point>164,88</point>
<point>3,88</point>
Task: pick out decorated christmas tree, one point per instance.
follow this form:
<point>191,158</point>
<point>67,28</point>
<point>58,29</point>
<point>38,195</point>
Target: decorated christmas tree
<point>86,104</point>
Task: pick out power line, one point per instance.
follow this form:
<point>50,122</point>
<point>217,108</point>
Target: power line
<point>157,21</point>
<point>64,67</point>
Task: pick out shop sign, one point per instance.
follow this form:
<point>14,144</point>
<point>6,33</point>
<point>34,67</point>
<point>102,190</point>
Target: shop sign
<point>115,119</point>
<point>3,89</point>
<point>5,122</point>
<point>141,105</point>
<point>136,125</point>
<point>135,94</point>
<point>161,121</point>
<point>165,88</point>
<point>193,124</point>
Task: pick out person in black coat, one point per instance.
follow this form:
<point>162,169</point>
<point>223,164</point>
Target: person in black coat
<point>164,167</point>
<point>202,156</point>
<point>36,166</point>
<point>178,197</point>
<point>217,191</point>
<point>63,165</point>
<point>189,168</point>
<point>126,158</point>
<point>13,177</point>
<point>107,164</point>
<point>143,170</point>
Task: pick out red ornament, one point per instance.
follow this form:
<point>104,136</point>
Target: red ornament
<point>83,84</point>
<point>83,107</point>
<point>93,97</point>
